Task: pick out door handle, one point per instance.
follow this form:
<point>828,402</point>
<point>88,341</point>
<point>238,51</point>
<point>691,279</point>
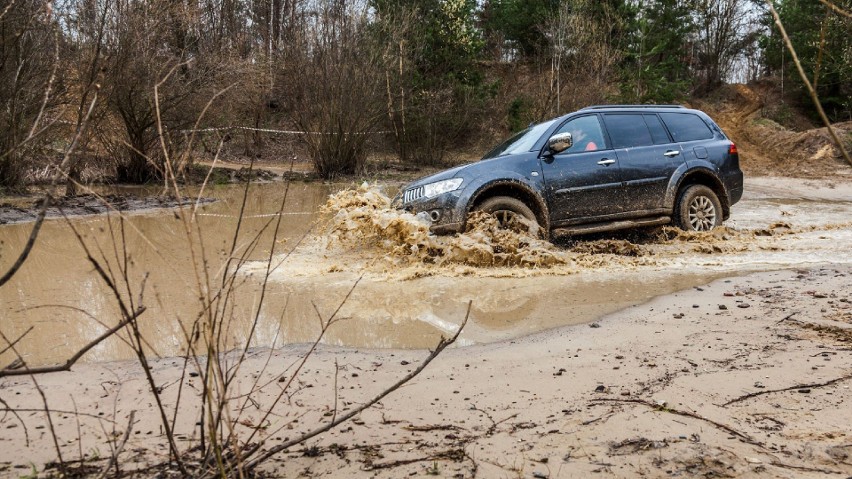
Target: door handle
<point>671,153</point>
<point>606,162</point>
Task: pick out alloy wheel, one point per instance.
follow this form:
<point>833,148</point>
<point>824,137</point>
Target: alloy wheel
<point>702,214</point>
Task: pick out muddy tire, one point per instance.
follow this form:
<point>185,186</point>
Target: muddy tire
<point>507,210</point>
<point>697,209</point>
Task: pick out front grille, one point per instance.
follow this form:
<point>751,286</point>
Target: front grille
<point>412,194</point>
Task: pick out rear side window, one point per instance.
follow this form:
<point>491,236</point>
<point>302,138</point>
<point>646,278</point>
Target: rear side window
<point>627,131</point>
<point>658,133</point>
<point>687,126</point>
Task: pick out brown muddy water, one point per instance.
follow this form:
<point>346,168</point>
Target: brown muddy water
<point>413,288</point>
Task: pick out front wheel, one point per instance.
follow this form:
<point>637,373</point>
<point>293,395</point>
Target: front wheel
<point>511,213</point>
<point>698,209</point>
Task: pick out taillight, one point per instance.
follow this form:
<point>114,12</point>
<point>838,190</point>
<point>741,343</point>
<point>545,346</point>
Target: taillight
<point>732,150</point>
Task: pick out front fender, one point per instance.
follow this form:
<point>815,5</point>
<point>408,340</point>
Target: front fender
<point>531,188</point>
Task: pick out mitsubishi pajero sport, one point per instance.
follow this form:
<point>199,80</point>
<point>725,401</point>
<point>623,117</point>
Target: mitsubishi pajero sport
<point>598,169</point>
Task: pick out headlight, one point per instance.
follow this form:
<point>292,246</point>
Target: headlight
<point>438,187</point>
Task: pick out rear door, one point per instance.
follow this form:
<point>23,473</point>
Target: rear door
<point>648,157</point>
<point>691,133</point>
<point>583,182</point>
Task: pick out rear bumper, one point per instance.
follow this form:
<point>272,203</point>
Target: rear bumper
<point>735,195</point>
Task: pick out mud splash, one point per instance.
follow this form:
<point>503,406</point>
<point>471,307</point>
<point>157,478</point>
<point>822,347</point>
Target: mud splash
<point>363,219</point>
<point>362,232</point>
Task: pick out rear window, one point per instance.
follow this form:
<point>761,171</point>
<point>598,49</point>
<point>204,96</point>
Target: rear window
<point>687,126</point>
<point>627,131</point>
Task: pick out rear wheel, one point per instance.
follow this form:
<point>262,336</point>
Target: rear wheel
<point>509,212</point>
<point>698,209</point>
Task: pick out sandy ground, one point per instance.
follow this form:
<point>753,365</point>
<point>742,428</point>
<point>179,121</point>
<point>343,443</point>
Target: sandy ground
<point>646,391</point>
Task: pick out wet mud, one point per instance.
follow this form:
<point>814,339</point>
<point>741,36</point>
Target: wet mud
<point>25,212</point>
<point>412,286</point>
<point>361,232</point>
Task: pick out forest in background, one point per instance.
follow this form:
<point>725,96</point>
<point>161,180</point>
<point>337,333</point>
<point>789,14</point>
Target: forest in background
<point>127,84</point>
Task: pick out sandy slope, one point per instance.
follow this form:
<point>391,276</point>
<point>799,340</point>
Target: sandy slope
<point>641,392</point>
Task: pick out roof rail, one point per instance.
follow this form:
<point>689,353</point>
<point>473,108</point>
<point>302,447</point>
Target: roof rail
<point>601,107</point>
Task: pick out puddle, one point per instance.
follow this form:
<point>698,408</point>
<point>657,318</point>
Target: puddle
<point>414,287</point>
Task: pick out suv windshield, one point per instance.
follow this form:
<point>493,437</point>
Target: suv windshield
<point>520,142</point>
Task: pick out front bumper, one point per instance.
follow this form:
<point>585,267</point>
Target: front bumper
<point>443,212</point>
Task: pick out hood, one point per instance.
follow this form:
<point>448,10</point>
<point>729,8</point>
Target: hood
<point>442,175</point>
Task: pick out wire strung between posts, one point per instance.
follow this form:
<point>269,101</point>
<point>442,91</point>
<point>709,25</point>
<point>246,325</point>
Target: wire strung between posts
<point>280,132</point>
<point>267,215</point>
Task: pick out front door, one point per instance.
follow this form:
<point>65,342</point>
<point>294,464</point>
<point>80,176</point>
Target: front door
<point>583,182</point>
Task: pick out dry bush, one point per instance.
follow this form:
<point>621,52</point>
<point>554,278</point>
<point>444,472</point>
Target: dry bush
<point>29,94</point>
<point>331,79</point>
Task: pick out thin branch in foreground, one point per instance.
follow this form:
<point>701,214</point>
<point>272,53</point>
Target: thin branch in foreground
<point>442,344</point>
<point>46,408</point>
<point>46,201</point>
<point>325,325</point>
<point>18,416</point>
<point>807,83</point>
<point>798,386</point>
<point>114,459</point>
<point>836,8</point>
<point>66,366</point>
<point>16,341</point>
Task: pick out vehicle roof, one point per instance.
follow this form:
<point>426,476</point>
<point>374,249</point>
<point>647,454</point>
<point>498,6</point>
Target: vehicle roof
<point>631,107</point>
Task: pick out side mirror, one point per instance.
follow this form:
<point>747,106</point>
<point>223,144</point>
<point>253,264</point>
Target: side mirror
<point>560,142</point>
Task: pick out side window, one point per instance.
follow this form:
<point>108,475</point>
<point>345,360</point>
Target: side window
<point>627,131</point>
<point>687,126</point>
<point>658,133</point>
<point>587,133</point>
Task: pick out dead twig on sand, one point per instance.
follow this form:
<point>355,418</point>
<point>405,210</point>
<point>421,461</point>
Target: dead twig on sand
<point>740,435</point>
<point>18,417</point>
<point>493,428</point>
<point>790,388</point>
<point>331,425</point>
<point>785,318</point>
<point>805,468</point>
<point>456,455</point>
<point>113,461</point>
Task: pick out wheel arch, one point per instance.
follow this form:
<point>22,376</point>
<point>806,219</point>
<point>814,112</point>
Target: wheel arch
<point>701,177</point>
<point>513,189</point>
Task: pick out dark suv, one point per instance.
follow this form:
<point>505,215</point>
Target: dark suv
<point>597,169</point>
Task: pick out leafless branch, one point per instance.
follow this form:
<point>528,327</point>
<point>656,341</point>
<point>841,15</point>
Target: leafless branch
<point>836,8</point>
<point>66,366</point>
<point>18,417</point>
<point>113,460</point>
<point>442,344</point>
<point>45,204</point>
<point>13,343</point>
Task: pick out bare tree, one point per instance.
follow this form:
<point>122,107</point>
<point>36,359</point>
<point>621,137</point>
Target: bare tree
<point>337,80</point>
<point>725,29</point>
<point>583,54</point>
<point>29,92</point>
